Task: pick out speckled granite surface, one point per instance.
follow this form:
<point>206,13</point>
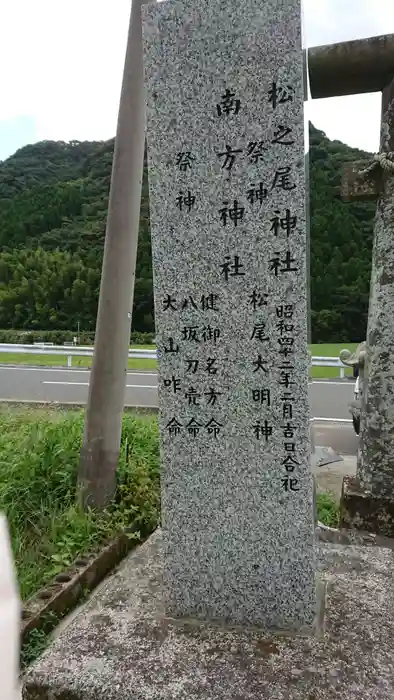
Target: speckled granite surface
<point>227,199</point>
<point>376,456</point>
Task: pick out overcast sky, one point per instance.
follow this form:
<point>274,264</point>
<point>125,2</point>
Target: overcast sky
<point>62,60</point>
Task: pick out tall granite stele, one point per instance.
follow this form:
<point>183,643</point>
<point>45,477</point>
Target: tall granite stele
<point>225,92</point>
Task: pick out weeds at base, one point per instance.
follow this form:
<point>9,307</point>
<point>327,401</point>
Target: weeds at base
<point>327,510</point>
<point>39,456</point>
<point>37,640</point>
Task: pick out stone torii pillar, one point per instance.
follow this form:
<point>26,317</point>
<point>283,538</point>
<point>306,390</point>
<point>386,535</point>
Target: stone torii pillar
<point>367,65</point>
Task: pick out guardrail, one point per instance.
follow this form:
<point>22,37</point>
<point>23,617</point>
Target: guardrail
<point>329,362</point>
<point>87,351</point>
<point>69,352</point>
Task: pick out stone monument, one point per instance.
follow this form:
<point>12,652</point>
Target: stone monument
<point>237,532</point>
<point>368,500</point>
<point>225,134</point>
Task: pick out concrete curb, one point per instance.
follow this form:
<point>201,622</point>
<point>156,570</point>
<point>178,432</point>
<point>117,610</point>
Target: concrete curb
<point>62,593</point>
<point>8,365</point>
<point>11,403</point>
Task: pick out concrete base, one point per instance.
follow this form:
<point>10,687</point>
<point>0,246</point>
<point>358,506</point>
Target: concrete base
<point>322,456</point>
<point>329,477</point>
<point>360,510</point>
<point>121,646</point>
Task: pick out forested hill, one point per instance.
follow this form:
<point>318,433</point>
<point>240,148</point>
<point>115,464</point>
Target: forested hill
<point>53,204</point>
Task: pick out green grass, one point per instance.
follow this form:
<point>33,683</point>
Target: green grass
<point>16,358</point>
<point>37,640</point>
<point>39,454</point>
<point>329,350</point>
<point>323,350</point>
<point>327,510</point>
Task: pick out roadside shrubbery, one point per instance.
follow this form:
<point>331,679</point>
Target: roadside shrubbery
<point>39,455</point>
<point>60,337</point>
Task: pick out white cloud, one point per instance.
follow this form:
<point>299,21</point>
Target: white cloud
<point>62,64</point>
<point>354,119</point>
<point>328,21</point>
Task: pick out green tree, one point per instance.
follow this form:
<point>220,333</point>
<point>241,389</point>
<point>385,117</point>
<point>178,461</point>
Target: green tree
<point>53,206</point>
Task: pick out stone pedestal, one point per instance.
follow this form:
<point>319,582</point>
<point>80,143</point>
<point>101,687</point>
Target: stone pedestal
<point>123,646</point>
<point>361,510</point>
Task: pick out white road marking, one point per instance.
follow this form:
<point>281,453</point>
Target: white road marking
<point>129,374</point>
<point>326,381</point>
<point>68,371</point>
<point>43,369</point>
<point>332,420</point>
<point>142,374</point>
<point>128,386</point>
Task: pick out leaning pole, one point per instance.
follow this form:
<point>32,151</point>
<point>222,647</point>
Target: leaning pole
<point>103,420</point>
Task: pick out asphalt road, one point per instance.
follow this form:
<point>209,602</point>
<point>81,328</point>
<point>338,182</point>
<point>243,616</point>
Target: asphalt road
<point>329,400</point>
